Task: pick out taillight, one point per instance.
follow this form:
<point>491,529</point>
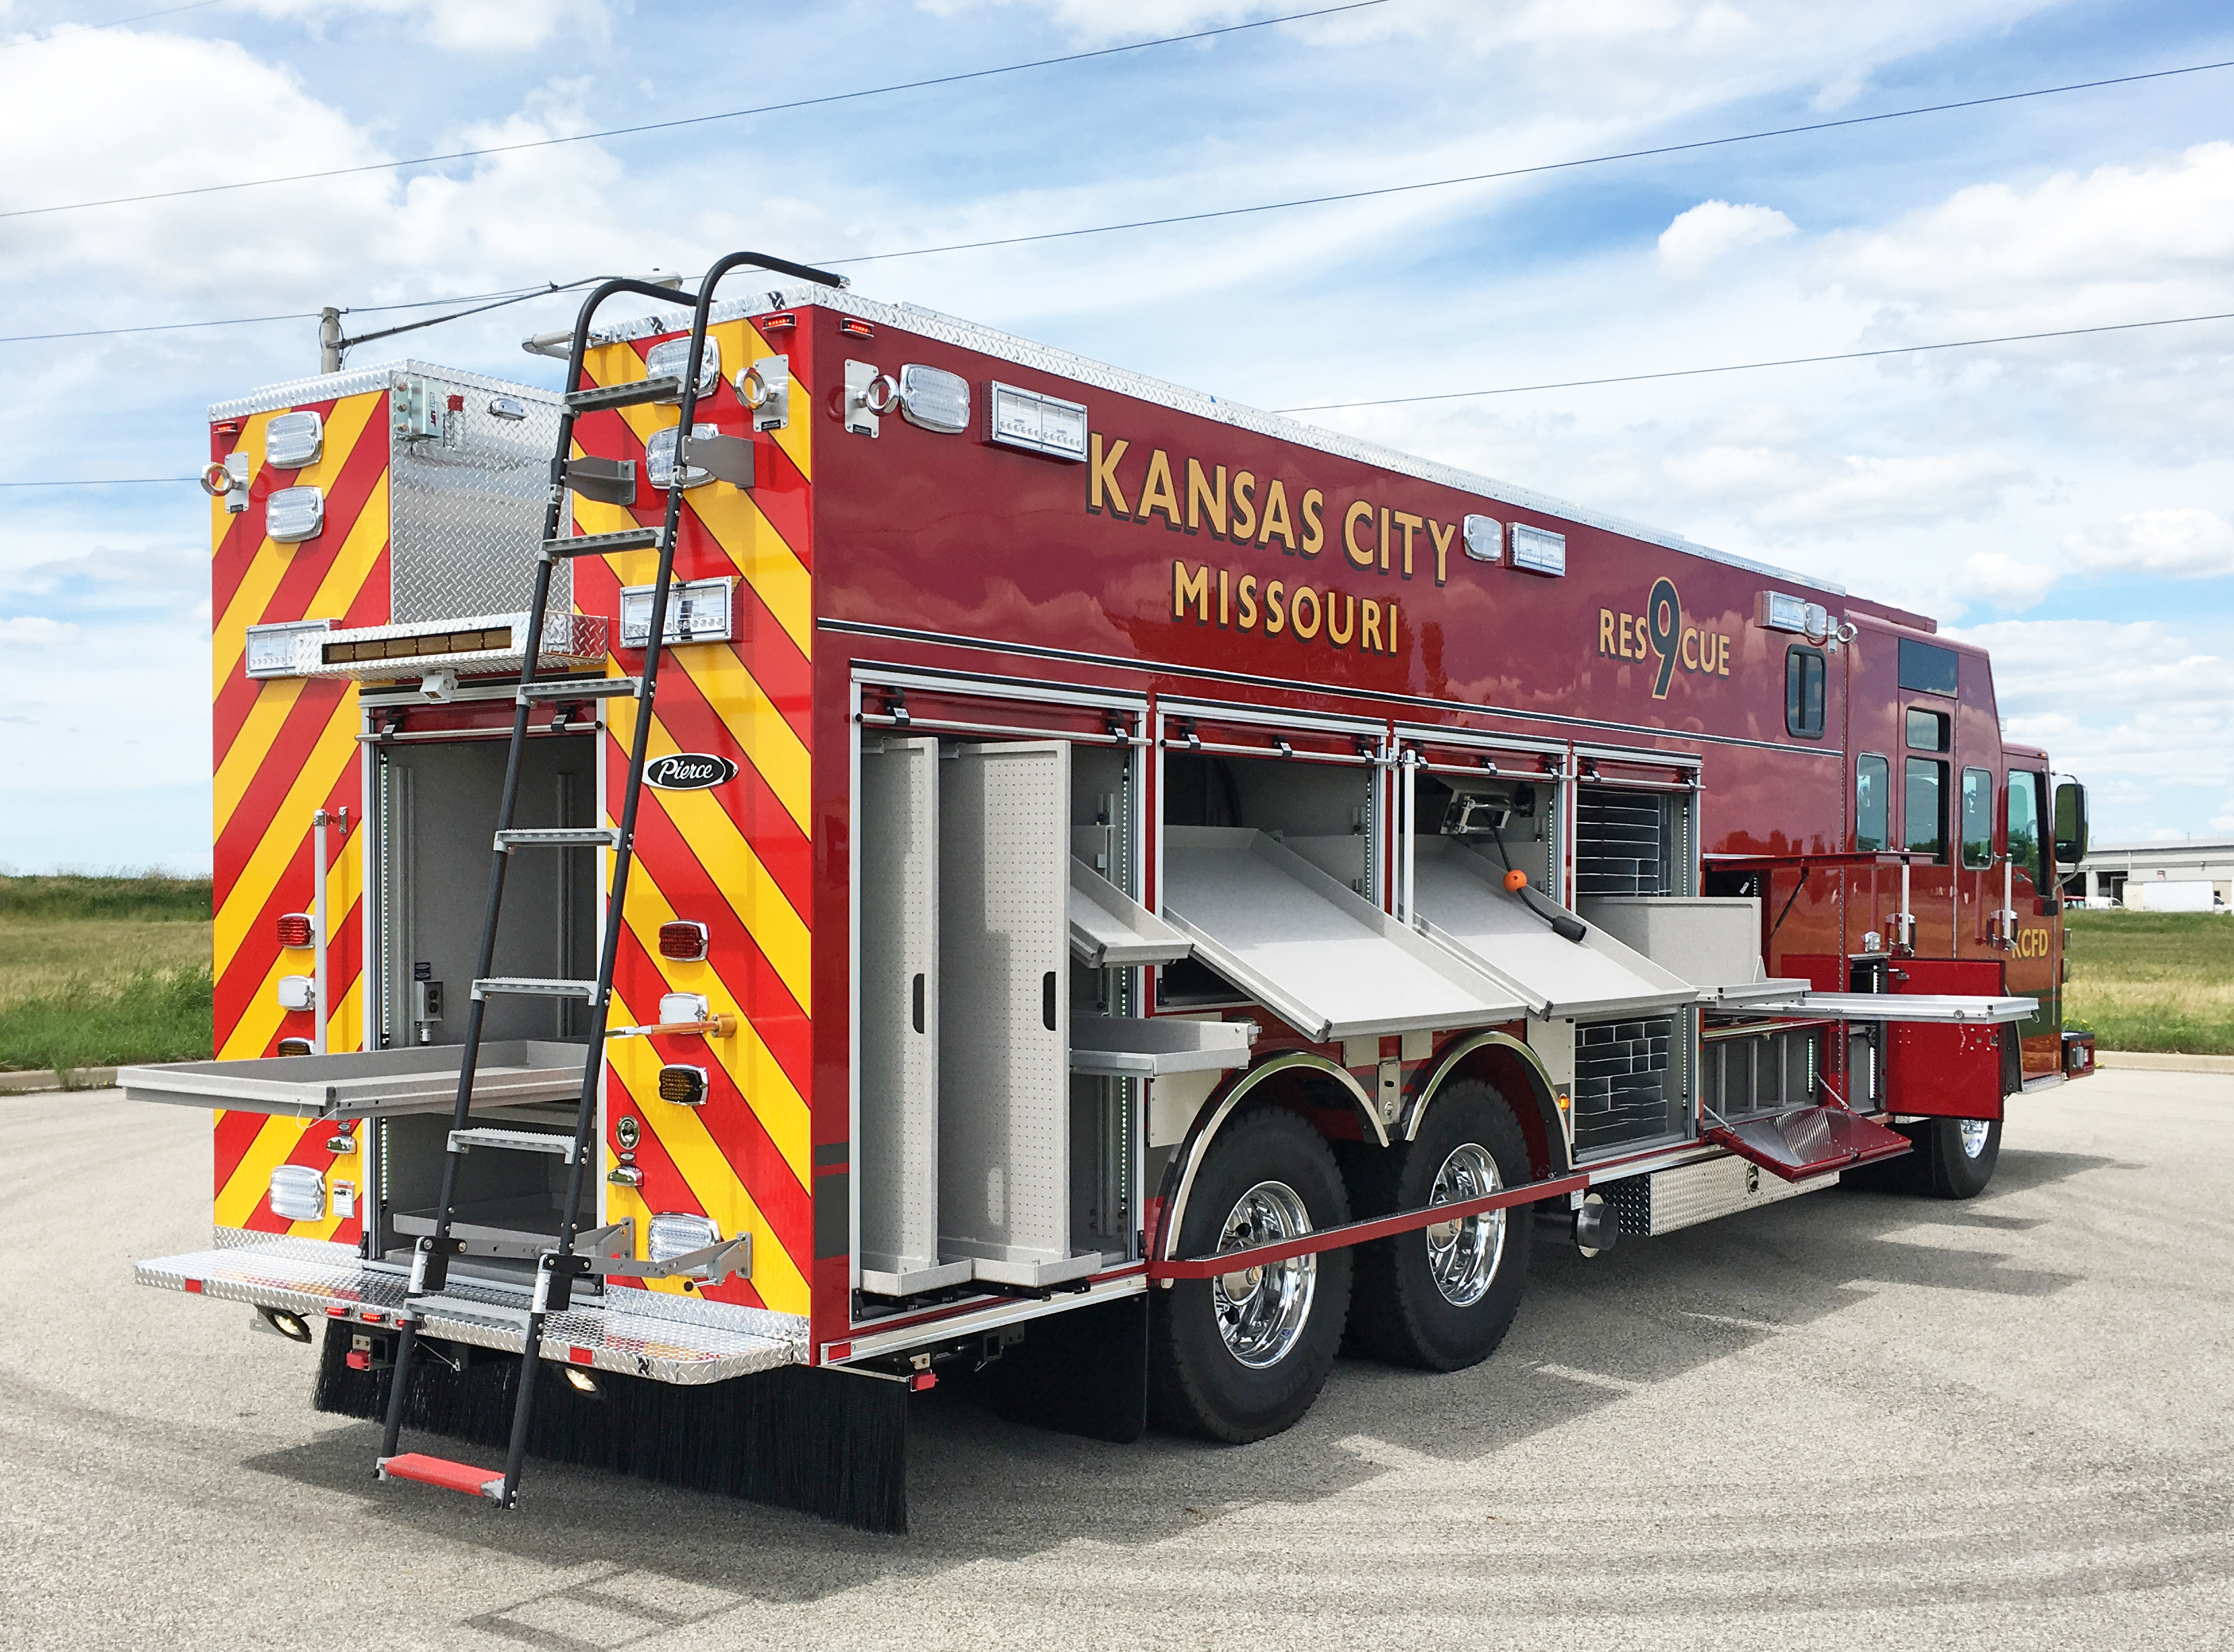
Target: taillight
<point>294,1047</point>
<point>684,1085</point>
<point>295,930</point>
<point>683,942</point>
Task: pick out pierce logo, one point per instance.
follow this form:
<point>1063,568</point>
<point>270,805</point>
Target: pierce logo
<point>688,772</point>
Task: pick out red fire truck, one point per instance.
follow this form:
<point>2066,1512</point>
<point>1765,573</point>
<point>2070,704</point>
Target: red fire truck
<point>1095,887</point>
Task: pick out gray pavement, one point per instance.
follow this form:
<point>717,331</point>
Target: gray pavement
<point>1850,1419</point>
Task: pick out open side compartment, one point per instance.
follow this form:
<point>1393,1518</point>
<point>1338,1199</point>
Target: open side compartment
<point>1804,1143</point>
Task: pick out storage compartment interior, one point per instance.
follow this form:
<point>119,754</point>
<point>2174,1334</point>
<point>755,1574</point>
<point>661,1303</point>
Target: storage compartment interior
<point>1630,841</point>
<point>507,1204</point>
<point>1512,822</point>
<point>436,810</point>
<point>1760,1068</point>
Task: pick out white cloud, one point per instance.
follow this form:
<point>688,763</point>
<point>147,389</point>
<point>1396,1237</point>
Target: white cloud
<point>2004,580</point>
<point>32,631</point>
<point>1711,231</point>
<point>2185,544</point>
<point>458,25</point>
<point>1784,487</point>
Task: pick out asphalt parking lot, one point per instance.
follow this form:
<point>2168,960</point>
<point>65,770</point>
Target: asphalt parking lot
<point>1851,1419</point>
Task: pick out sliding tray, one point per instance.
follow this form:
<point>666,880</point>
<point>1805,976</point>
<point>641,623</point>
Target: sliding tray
<point>1127,1046</point>
<point>1459,899</point>
<point>1311,950</point>
<point>1110,929</point>
<point>1938,1007</point>
<point>366,1084</point>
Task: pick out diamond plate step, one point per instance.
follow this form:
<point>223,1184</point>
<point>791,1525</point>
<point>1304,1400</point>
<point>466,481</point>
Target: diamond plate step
<point>517,986</point>
<point>557,836</point>
<point>517,1141</point>
<point>603,544</point>
<point>581,689</point>
<point>666,387</point>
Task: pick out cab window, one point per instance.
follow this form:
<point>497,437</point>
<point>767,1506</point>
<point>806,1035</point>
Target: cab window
<point>1872,803</point>
<point>1923,808</point>
<point>1803,693</point>
<point>2024,824</point>
<point>1927,730</point>
<point>1978,818</point>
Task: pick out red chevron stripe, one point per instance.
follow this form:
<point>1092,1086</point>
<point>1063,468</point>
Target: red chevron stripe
<point>665,1190</point>
<point>780,490</point>
<point>735,1128</point>
<point>242,975</point>
<point>759,991</point>
<point>243,534</point>
<point>234,1136</point>
<point>292,746</point>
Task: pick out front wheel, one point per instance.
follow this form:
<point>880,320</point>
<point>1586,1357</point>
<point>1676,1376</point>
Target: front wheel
<point>1243,1355</point>
<point>1958,1155</point>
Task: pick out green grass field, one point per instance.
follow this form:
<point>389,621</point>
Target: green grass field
<point>2153,981</point>
<point>94,971</point>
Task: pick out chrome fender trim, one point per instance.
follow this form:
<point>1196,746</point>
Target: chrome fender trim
<point>1547,1099</point>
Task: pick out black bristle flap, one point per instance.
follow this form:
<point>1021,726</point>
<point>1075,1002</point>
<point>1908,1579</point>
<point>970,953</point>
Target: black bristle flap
<point>822,1442</point>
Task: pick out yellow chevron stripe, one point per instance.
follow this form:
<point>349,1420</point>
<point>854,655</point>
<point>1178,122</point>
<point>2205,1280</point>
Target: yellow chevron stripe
<point>251,1179</point>
<point>284,837</point>
<point>253,745</point>
<point>713,1182</point>
<point>768,1089</point>
<point>261,1019</point>
<point>781,932</point>
<point>229,636</point>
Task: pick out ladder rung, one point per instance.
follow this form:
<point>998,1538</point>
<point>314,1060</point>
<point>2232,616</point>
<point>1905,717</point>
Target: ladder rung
<point>601,544</point>
<point>666,387</point>
<point>535,987</point>
<point>440,1471</point>
<point>556,838</point>
<point>581,688</point>
<point>516,1141</point>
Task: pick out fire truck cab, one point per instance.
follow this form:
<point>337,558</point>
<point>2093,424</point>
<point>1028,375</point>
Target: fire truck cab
<point>1119,888</point>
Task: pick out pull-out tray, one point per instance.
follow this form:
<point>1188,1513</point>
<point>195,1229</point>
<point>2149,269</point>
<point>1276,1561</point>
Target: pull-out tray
<point>366,1084</point>
<point>1109,928</point>
<point>1943,1008</point>
<point>1128,1048</point>
<point>1461,901</point>
<point>1311,950</point>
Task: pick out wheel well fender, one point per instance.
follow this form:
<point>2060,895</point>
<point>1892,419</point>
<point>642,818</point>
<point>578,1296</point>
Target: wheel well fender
<point>1277,1082</point>
<point>1518,1075</point>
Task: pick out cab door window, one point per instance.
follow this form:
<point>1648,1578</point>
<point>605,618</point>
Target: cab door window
<point>1872,803</point>
<point>1924,807</point>
<point>1978,818</point>
<point>2025,846</point>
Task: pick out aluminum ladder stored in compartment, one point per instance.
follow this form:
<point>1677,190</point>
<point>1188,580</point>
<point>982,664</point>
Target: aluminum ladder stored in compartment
<point>559,1266</point>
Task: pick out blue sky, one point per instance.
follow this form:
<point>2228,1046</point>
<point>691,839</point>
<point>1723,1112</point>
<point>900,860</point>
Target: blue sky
<point>2069,501</point>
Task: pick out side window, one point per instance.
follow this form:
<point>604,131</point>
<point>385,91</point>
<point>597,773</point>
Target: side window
<point>1803,693</point>
<point>2024,824</point>
<point>1872,801</point>
<point>1924,807</point>
<point>1927,730</point>
<point>1978,818</point>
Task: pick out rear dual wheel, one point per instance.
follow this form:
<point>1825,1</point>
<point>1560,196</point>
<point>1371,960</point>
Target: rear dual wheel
<point>1958,1155</point>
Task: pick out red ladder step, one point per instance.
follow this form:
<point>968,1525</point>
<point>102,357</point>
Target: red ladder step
<point>440,1471</point>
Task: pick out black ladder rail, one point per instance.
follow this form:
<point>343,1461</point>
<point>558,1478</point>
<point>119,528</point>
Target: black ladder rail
<point>558,1267</point>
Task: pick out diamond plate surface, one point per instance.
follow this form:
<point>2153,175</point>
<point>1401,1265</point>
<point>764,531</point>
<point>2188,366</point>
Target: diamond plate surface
<point>636,1333</point>
<point>1666,1200</point>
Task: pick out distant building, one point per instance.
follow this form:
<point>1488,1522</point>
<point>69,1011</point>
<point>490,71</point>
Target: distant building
<point>2109,867</point>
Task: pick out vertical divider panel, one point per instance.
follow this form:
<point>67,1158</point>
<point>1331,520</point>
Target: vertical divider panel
<point>899,826</point>
<point>1004,1079</point>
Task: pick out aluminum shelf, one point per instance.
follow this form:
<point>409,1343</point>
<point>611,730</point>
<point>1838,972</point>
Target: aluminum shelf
<point>366,1084</point>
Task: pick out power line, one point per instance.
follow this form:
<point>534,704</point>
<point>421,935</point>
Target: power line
<point>510,295</point>
<point>105,482</point>
<point>114,23</point>
<point>1748,367</point>
<point>696,119</point>
<point>1524,172</point>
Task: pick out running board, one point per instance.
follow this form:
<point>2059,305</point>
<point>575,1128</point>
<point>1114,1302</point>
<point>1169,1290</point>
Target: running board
<point>440,1471</point>
<point>1808,1142</point>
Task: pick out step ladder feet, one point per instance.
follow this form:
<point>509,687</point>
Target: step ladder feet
<point>440,1471</point>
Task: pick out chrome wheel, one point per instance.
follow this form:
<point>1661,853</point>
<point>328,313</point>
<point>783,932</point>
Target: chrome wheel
<point>1463,1254</point>
<point>1262,1311</point>
<point>1974,1132</point>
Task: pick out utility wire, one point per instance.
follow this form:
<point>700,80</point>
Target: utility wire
<point>696,119</point>
<point>114,23</point>
<point>1748,367</point>
<point>1521,172</point>
<point>1517,390</point>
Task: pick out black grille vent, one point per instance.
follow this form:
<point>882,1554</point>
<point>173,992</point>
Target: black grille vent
<point>1621,1091</point>
<point>1621,843</point>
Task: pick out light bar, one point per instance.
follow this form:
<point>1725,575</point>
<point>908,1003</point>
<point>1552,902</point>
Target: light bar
<point>1040,424</point>
<point>472,644</point>
<point>668,361</point>
<point>1538,550</point>
<point>698,611</point>
<point>294,514</point>
<point>935,399</point>
<point>294,439</point>
<point>684,1085</point>
<point>1776,610</point>
<point>683,941</point>
<point>271,648</point>
<point>481,639</point>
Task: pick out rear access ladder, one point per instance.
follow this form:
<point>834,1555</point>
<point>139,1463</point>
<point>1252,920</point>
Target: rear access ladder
<point>559,1267</point>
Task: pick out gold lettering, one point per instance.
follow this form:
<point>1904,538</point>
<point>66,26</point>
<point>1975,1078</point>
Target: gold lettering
<point>1225,605</point>
<point>1246,591</point>
<point>1442,533</point>
<point>1369,629</point>
<point>1190,588</point>
<point>1410,524</point>
<point>1359,511</point>
<point>1384,538</point>
<point>1101,473</point>
<point>1314,529</point>
<point>1689,650</point>
<point>1723,656</point>
<point>1392,628</point>
<point>1276,620</point>
<point>1277,525</point>
<point>1244,506</point>
<point>1157,493</point>
<point>1625,654</point>
<point>1605,633</point>
<point>1296,612</point>
<point>1205,504</point>
<point>1341,638</point>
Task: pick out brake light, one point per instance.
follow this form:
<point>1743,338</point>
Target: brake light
<point>683,942</point>
<point>295,929</point>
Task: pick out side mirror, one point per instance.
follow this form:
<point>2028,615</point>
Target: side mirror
<point>2070,823</point>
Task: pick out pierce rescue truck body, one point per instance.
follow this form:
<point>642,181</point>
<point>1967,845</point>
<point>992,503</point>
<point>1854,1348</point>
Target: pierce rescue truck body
<point>1118,886</point>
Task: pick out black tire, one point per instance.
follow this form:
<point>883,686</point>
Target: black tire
<point>1196,1384</point>
<point>1951,1169</point>
<point>1399,1312</point>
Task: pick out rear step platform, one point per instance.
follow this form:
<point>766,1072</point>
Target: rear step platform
<point>440,1471</point>
<point>635,1333</point>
